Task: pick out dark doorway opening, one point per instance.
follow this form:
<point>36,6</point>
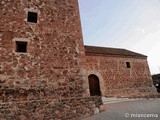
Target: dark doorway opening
<point>94,85</point>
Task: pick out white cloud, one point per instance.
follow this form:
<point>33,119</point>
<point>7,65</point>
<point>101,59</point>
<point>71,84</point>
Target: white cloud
<point>140,29</point>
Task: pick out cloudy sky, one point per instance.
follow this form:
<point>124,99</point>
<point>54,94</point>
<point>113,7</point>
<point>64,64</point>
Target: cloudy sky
<point>129,24</point>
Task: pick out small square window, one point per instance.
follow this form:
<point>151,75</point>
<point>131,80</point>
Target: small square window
<point>21,46</point>
<point>128,64</point>
<point>32,17</point>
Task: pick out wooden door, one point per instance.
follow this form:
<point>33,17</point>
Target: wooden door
<point>94,85</point>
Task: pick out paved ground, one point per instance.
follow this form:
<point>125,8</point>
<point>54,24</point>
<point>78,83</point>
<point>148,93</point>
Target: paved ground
<point>133,110</point>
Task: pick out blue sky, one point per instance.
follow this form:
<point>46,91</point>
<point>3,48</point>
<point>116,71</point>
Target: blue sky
<point>129,24</point>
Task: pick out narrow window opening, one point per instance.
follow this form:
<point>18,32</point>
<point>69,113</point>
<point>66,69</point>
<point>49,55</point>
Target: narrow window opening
<point>32,17</point>
<point>21,46</point>
<point>128,65</point>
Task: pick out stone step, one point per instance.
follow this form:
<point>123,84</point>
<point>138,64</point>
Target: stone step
<point>106,100</point>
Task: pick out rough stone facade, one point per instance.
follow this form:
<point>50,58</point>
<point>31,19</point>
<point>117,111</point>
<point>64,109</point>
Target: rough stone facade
<point>116,80</point>
<point>43,68</point>
<point>45,82</point>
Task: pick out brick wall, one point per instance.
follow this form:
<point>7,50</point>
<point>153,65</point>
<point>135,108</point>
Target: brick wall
<point>116,80</point>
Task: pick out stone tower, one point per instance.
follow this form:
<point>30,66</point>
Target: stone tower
<point>41,57</point>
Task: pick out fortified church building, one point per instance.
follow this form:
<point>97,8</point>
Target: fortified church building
<point>47,73</point>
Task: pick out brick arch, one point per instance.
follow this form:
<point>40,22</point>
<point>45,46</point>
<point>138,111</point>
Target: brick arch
<point>94,85</point>
<point>86,73</point>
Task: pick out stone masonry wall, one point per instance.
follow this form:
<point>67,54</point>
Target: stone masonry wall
<point>116,80</point>
<point>50,109</point>
<point>35,83</point>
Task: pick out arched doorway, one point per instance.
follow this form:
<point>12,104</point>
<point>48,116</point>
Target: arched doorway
<point>94,85</point>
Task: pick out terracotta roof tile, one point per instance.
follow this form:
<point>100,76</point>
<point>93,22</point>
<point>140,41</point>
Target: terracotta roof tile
<point>111,51</point>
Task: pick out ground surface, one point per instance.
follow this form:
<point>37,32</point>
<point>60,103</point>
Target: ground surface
<point>133,110</point>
